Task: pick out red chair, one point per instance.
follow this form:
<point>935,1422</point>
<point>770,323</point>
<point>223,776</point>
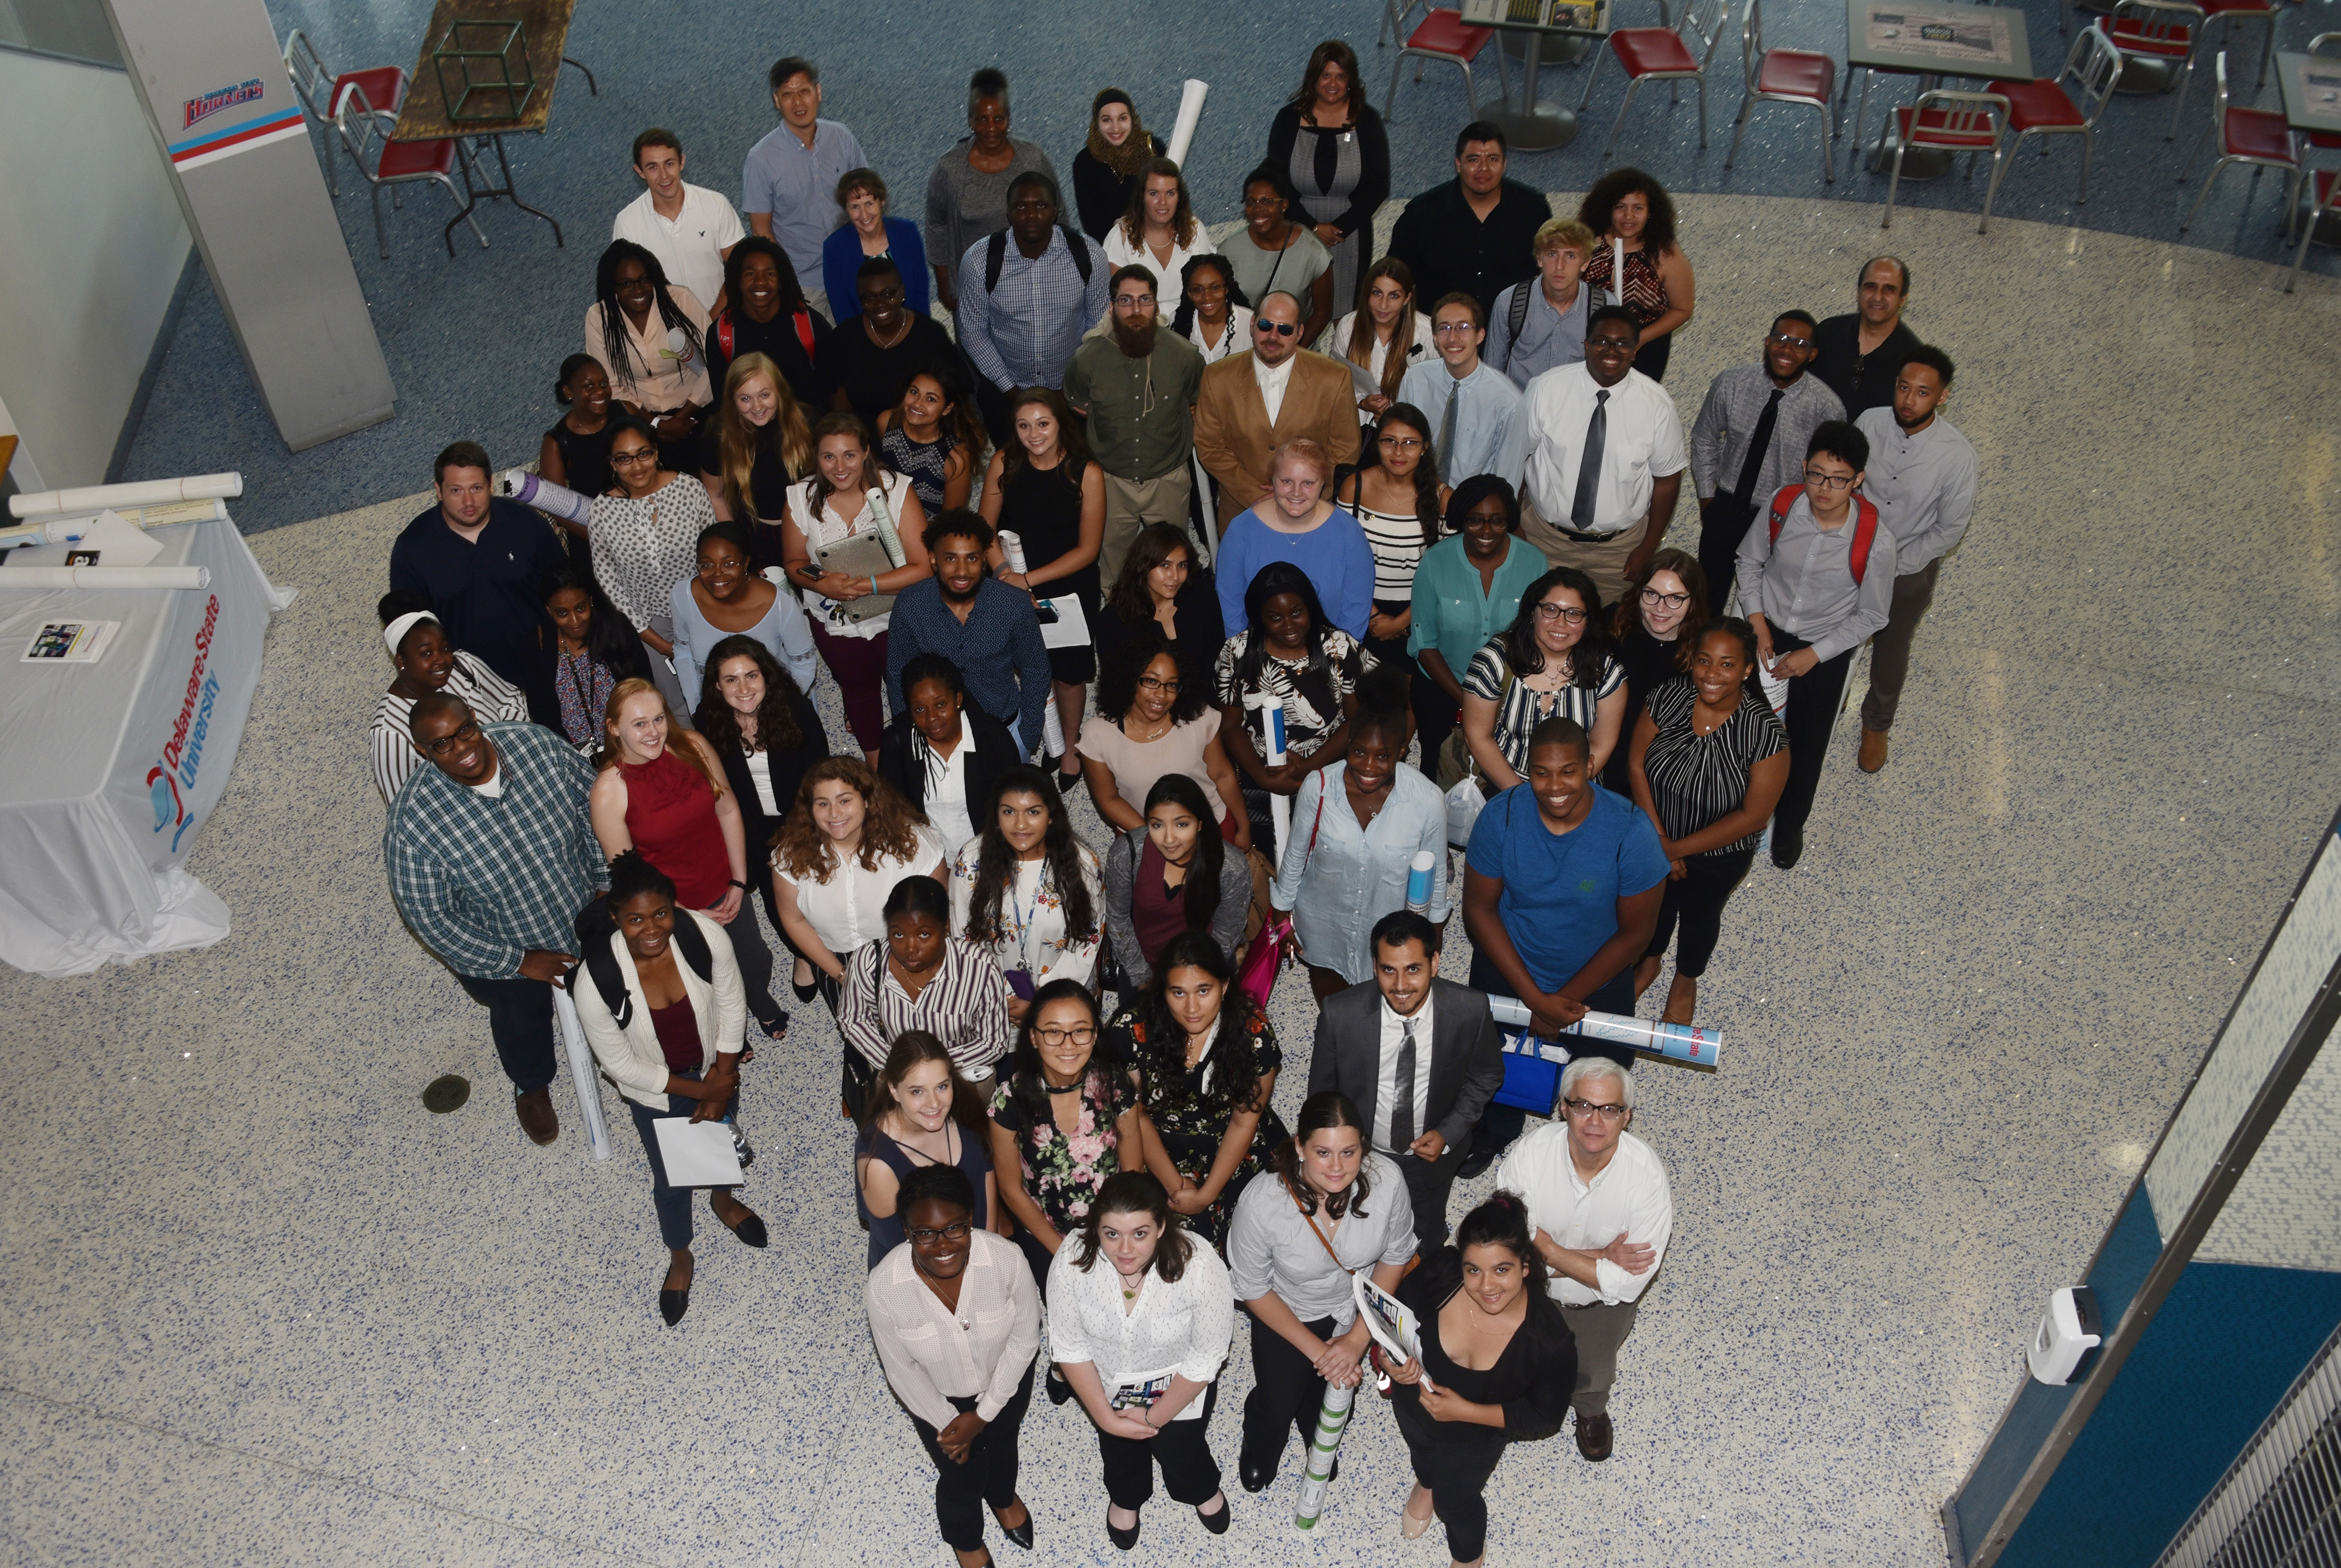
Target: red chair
<point>1443,35</point>
<point>1945,122</point>
<point>2323,187</point>
<point>2157,37</point>
<point>1782,77</point>
<point>404,162</point>
<point>2093,67</point>
<point>2223,15</point>
<point>1664,53</point>
<point>322,91</point>
<point>2259,137</point>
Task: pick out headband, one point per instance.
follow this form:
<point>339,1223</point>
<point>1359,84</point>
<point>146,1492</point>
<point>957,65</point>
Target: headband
<point>1111,95</point>
<point>395,632</point>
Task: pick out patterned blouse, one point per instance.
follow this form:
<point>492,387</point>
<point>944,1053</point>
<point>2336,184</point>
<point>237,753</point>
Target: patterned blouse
<point>1032,918</point>
<point>1192,1132</point>
<point>1519,710</point>
<point>643,548</point>
<point>1696,780</point>
<point>1312,700</point>
<point>1645,292</point>
<point>1062,1173</point>
<point>926,464</point>
<point>582,684</point>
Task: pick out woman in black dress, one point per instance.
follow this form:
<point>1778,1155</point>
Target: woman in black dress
<point>1653,627</point>
<point>1207,1061</point>
<point>765,312</point>
<point>766,734</point>
<point>1162,588</point>
<point>1043,488</point>
<point>575,452</point>
<point>1501,1365</point>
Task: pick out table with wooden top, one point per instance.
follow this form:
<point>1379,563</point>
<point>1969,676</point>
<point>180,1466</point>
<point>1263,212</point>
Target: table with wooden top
<point>1928,39</point>
<point>423,118</point>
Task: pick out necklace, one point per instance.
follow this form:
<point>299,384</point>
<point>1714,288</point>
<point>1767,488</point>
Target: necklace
<point>1164,728</point>
<point>1130,1293</point>
<point>900,332</point>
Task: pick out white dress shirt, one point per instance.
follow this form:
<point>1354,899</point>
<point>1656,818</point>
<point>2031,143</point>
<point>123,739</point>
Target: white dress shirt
<point>1168,285</point>
<point>1386,1074</point>
<point>1631,1197</point>
<point>947,796</point>
<point>844,906</point>
<point>1183,1328</point>
<point>1235,336</point>
<point>933,1354</point>
<point>1643,444</point>
<point>1923,483</point>
<point>691,245</point>
<point>1490,432</point>
<point>1273,380</point>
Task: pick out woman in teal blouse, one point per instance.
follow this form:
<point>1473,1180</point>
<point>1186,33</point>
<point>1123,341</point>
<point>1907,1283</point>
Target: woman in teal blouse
<point>1467,589</point>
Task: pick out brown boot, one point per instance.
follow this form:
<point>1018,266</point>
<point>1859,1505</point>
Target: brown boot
<point>1646,975</point>
<point>1682,1001</point>
<point>536,1118</point>
<point>1873,750</point>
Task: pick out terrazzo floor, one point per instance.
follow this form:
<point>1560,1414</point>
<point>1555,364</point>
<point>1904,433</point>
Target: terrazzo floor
<point>257,1305</point>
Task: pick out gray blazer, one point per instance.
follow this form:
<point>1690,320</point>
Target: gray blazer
<point>1466,1055</point>
<point>1120,877</point>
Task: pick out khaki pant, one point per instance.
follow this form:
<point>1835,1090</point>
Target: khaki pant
<point>1600,1330</point>
<point>1889,650</point>
<point>1602,560</point>
<point>1130,504</point>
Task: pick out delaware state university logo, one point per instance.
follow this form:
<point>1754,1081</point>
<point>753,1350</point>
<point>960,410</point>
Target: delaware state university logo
<point>182,755</point>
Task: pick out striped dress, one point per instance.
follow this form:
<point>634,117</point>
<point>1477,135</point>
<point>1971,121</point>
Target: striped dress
<point>1697,779</point>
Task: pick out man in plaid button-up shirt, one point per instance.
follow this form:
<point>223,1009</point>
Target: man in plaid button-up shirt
<point>490,855</point>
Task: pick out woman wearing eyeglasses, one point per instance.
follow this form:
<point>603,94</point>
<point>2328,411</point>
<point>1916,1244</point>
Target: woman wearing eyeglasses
<point>956,1318</point>
<point>1554,662</point>
<point>645,536</point>
<point>726,598</point>
<point>1162,722</point>
<point>1653,628</point>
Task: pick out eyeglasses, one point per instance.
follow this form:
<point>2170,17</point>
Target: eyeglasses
<point>1133,301</point>
<point>1156,683</point>
<point>640,454</point>
<point>1588,1108</point>
<point>1567,614</point>
<point>1467,324</point>
<point>1786,340</point>
<point>709,568</point>
<point>1281,328</point>
<point>1403,442</point>
<point>1821,481</point>
<point>1078,1034</point>
<point>1654,599</point>
<point>957,1230</point>
<point>1267,201</point>
<point>468,730</point>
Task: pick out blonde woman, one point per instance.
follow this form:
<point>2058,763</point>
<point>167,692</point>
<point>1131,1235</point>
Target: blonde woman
<point>755,447</point>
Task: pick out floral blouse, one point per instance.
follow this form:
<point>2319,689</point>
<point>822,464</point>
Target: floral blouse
<point>1032,935</point>
<point>1312,699</point>
<point>1062,1173</point>
<point>1192,1132</point>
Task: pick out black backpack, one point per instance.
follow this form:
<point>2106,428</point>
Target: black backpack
<point>595,928</point>
<point>995,256</point>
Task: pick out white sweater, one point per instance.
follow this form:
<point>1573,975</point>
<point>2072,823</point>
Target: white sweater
<point>630,1056</point>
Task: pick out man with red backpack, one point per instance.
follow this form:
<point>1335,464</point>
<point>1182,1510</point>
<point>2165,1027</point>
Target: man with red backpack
<point>1816,582</point>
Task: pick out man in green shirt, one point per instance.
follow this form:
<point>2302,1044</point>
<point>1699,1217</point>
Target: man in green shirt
<point>1136,389</point>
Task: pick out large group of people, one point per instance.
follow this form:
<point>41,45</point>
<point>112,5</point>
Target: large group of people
<point>1312,567</point>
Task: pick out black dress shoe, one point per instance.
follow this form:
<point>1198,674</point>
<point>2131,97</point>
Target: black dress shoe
<point>1023,1533</point>
<point>809,990</point>
<point>1595,1436</point>
<point>1125,1539</point>
<point>1059,1389</point>
<point>1788,848</point>
<point>1475,1163</point>
<point>1255,1477</point>
<point>672,1305</point>
<point>1217,1524</point>
<point>750,1230</point>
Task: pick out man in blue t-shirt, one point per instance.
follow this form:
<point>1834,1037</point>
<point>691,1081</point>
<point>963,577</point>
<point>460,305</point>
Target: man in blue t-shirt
<point>1561,888</point>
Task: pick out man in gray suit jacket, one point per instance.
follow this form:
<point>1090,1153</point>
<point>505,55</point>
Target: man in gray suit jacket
<point>1419,1055</point>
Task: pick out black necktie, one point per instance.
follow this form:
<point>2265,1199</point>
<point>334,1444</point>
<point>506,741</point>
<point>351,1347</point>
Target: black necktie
<point>1589,467</point>
<point>1758,444</point>
<point>1403,1095</point>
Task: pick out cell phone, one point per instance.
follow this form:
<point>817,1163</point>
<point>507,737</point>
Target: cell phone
<point>1020,981</point>
<point>1045,613</point>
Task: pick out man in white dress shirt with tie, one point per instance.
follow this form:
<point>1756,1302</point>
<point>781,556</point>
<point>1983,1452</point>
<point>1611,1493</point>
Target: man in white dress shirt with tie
<point>1476,427</point>
<point>1600,1212</point>
<point>1605,458</point>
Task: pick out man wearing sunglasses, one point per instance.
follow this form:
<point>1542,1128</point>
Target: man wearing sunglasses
<point>1251,403</point>
<point>1601,1211</point>
<point>1749,442</point>
<point>490,855</point>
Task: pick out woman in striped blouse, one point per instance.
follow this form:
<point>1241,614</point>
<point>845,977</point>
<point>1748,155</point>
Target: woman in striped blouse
<point>427,662</point>
<point>1396,493</point>
<point>1554,662</point>
<point>1708,762</point>
<point>919,976</point>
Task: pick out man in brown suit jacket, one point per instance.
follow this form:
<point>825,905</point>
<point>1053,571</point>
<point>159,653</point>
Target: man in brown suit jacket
<point>1234,428</point>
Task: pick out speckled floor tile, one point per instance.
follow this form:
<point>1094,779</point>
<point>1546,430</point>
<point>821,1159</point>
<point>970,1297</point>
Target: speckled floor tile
<point>256,1304</point>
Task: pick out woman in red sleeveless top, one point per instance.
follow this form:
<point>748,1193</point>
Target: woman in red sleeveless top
<point>661,792</point>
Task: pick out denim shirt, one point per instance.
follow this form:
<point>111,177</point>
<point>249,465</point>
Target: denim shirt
<point>1356,875</point>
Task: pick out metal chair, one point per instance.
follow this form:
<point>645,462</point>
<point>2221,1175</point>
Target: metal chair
<point>2259,137</point>
<point>2325,44</point>
<point>403,163</point>
<point>2323,185</point>
<point>2075,99</point>
<point>1947,121</point>
<point>1443,35</point>
<point>2223,15</point>
<point>1782,77</point>
<point>2157,37</point>
<point>1663,53</point>
<point>321,90</point>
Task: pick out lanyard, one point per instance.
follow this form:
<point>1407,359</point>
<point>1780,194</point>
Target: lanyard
<point>1030,913</point>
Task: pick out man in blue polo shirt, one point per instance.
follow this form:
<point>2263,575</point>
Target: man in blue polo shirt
<point>480,562</point>
<point>1561,888</point>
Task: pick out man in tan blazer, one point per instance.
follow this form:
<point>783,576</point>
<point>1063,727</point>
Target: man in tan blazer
<point>1251,403</point>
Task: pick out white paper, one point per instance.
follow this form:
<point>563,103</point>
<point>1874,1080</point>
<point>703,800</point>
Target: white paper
<point>1071,627</point>
<point>697,1153</point>
<point>141,492</point>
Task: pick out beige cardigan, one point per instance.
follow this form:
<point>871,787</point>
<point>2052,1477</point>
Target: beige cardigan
<point>630,1056</point>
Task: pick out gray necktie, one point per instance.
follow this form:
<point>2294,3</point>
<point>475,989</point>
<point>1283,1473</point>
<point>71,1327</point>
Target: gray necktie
<point>1589,467</point>
<point>1403,1095</point>
<point>1447,432</point>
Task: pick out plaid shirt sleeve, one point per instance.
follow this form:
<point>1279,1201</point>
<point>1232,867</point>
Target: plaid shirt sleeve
<point>431,902</point>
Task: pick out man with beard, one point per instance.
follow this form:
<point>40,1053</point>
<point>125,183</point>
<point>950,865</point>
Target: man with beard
<point>1252,404</point>
<point>1136,389</point>
<point>1858,354</point>
<point>1922,479</point>
<point>980,624</point>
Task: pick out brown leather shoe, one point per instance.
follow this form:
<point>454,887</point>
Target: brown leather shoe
<point>1682,1001</point>
<point>1595,1438</point>
<point>1873,750</point>
<point>536,1118</point>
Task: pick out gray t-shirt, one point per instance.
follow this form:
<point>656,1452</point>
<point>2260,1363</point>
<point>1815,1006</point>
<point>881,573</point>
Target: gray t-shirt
<point>965,204</point>
<point>1269,1247</point>
<point>1293,270</point>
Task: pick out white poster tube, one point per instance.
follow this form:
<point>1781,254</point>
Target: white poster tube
<point>582,1073</point>
<point>141,492</point>
<point>64,527</point>
<point>1191,110</point>
<point>54,577</point>
<point>1678,1042</point>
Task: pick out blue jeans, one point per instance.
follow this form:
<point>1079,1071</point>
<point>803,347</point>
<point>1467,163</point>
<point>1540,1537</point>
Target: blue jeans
<point>672,1203</point>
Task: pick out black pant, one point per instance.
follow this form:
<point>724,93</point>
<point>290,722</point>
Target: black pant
<point>1428,1182</point>
<point>995,405</point>
<point>755,956</point>
<point>1430,706</point>
<point>1650,359</point>
<point>1499,1124</point>
<point>1813,699</point>
<point>1698,902</point>
<point>1189,1475</point>
<point>1456,1475</point>
<point>988,1476</point>
<point>1286,1394</point>
<point>672,1203</point>
<point>520,1021</point>
<point>1721,527</point>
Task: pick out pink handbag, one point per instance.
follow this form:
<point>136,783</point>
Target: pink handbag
<point>1273,945</point>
